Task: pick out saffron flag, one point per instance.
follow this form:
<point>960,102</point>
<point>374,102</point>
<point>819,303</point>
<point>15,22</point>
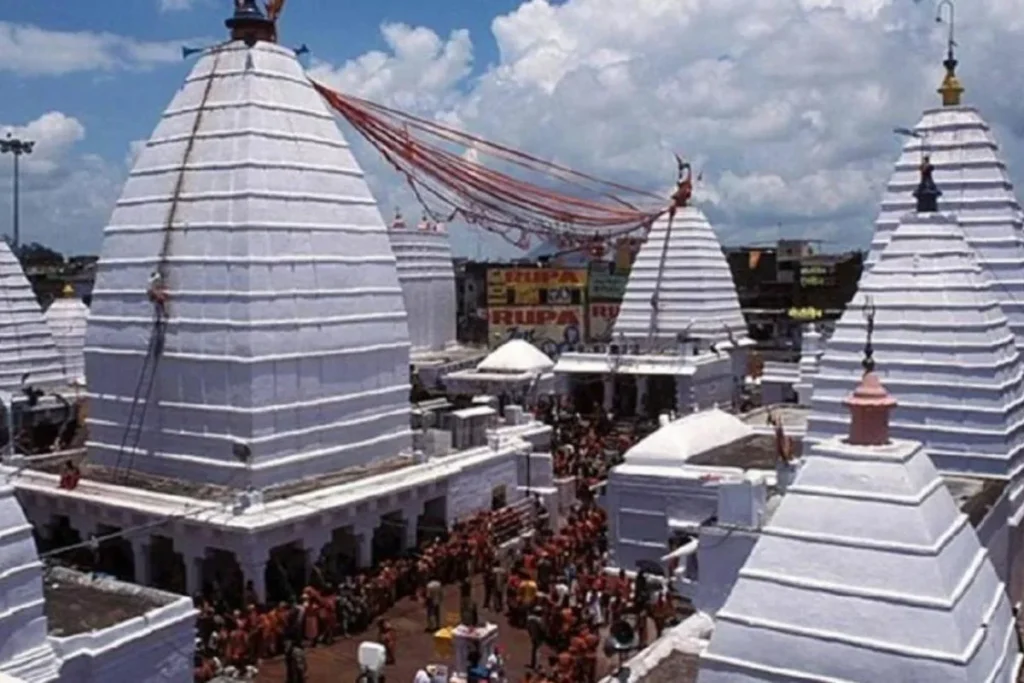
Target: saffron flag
<point>754,259</point>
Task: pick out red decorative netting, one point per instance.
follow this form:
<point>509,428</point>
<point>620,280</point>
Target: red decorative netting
<point>452,175</point>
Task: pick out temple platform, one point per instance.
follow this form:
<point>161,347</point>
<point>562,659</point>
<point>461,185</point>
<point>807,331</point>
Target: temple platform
<point>185,535</point>
<point>200,491</point>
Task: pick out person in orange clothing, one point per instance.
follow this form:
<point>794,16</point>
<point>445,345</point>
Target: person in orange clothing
<point>204,670</point>
<point>269,632</point>
<point>70,476</point>
<point>386,637</point>
<point>252,630</point>
<point>578,650</point>
<point>310,617</point>
<point>592,642</point>
<point>237,651</point>
<point>328,616</point>
<point>565,668</point>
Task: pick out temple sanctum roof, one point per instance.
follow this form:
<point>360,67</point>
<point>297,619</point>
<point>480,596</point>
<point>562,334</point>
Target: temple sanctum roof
<point>286,349</point>
<point>25,651</point>
<point>427,274</point>
<point>683,264</point>
<point>867,571</point>
<point>944,348</point>
<point>976,188</point>
<point>26,344</point>
<point>67,317</point>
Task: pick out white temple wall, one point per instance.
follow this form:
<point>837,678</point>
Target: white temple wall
<point>721,553</point>
<point>541,470</point>
<point>996,537</point>
<point>473,488</point>
<point>289,443</point>
<point>639,509</point>
<point>158,646</point>
<point>712,384</point>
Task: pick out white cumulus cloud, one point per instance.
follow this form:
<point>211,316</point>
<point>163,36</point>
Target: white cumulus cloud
<point>61,189</point>
<point>787,106</point>
<point>27,50</point>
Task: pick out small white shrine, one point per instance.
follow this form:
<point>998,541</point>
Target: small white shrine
<point>423,254</point>
<point>517,369</point>
<point>61,626</point>
<point>677,479</point>
<point>679,342</point>
<point>67,317</point>
<point>787,382</point>
<point>866,571</point>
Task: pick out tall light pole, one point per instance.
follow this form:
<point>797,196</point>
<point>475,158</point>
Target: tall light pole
<point>17,147</point>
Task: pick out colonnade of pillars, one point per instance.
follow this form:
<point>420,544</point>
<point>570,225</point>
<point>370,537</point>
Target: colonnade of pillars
<point>185,563</point>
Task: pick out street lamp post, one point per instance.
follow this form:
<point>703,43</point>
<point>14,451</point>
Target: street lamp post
<point>17,147</point>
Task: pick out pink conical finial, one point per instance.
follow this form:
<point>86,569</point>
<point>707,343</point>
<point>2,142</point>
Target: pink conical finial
<point>870,403</point>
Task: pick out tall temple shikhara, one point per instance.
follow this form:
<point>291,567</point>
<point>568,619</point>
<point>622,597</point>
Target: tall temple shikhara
<point>247,324</point>
<point>976,188</point>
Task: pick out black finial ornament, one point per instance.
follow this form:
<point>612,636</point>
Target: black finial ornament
<point>249,24</point>
<point>927,192</point>
<point>869,350</point>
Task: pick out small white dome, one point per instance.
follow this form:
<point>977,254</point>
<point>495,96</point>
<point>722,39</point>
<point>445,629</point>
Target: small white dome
<point>516,355</point>
<point>687,437</point>
<point>67,318</point>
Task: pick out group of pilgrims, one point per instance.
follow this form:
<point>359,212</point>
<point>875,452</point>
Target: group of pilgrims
<point>552,585</point>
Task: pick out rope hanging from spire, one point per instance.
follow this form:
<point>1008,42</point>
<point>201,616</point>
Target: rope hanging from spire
<point>443,167</point>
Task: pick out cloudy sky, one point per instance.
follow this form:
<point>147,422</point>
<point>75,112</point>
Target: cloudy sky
<point>786,105</point>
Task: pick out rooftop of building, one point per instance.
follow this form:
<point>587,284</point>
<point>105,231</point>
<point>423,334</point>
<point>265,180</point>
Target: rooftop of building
<point>793,416</point>
<point>453,354</point>
<point>192,489</point>
<point>77,603</point>
<point>678,667</point>
<point>757,451</point>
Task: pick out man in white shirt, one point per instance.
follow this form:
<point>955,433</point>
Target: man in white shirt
<point>426,675</point>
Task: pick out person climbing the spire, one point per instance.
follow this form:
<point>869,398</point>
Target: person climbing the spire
<point>684,184</point>
<point>157,293</point>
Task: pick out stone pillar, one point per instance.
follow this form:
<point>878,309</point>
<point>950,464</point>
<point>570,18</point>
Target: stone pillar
<point>609,393</point>
<point>641,395</point>
<point>253,563</point>
<point>411,515</point>
<point>364,545</point>
<point>313,543</point>
<point>142,560</point>
<point>193,559</point>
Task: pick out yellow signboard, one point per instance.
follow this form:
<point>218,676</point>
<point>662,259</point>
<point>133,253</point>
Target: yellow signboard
<point>552,329</point>
<point>536,286</point>
<point>601,320</point>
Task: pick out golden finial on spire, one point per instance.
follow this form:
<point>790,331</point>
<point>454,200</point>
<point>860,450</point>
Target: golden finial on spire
<point>951,90</point>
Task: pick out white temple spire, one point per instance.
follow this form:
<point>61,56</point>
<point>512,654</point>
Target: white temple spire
<point>867,571</point>
<point>946,345</point>
<point>26,344</point>
<point>285,332</point>
<point>680,283</point>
